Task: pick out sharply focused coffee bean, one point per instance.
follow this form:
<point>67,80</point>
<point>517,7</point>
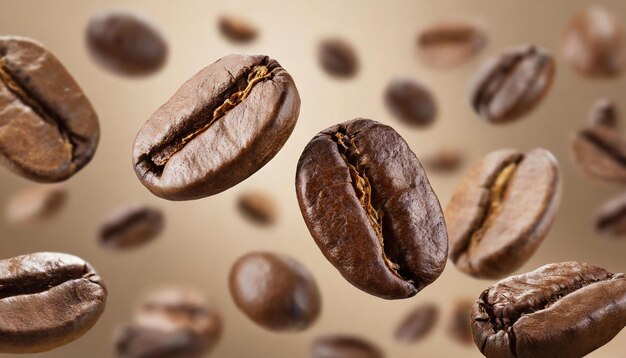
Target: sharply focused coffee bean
<point>130,227</point>
<point>443,159</point>
<point>220,127</point>
<point>564,310</point>
<point>170,323</point>
<point>125,43</point>
<point>604,114</point>
<point>594,43</point>
<point>411,102</point>
<point>418,323</point>
<point>370,208</point>
<point>49,130</point>
<point>459,326</point>
<point>449,43</point>
<point>237,30</point>
<point>36,203</point>
<point>338,58</point>
<point>502,211</point>
<point>342,346</point>
<point>258,207</point>
<point>511,84</point>
<point>47,300</point>
<point>275,291</point>
<point>611,219</point>
<point>599,152</point>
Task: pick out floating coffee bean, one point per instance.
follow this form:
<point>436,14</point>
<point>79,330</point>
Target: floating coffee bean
<point>604,114</point>
<point>258,207</point>
<point>594,43</point>
<point>338,58</point>
<point>125,43</point>
<point>371,210</point>
<point>237,30</point>
<point>564,310</point>
<point>611,219</point>
<point>275,291</point>
<point>36,203</point>
<point>172,323</point>
<point>130,227</point>
<point>220,127</point>
<point>502,211</point>
<point>510,85</point>
<point>342,346</point>
<point>443,159</point>
<point>47,300</point>
<point>449,43</point>
<point>50,130</point>
<point>459,326</point>
<point>417,324</point>
<point>411,102</point>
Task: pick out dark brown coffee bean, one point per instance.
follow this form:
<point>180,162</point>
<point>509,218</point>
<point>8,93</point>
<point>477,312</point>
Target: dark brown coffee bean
<point>49,128</point>
<point>371,210</point>
<point>258,207</point>
<point>611,219</point>
<point>502,211</point>
<point>512,84</point>
<point>275,291</point>
<point>36,203</point>
<point>220,127</point>
<point>594,43</point>
<point>338,58</point>
<point>171,322</point>
<point>130,227</point>
<point>418,323</point>
<point>125,43</point>
<point>564,310</point>
<point>604,114</point>
<point>459,326</point>
<point>599,152</point>
<point>449,43</point>
<point>411,102</point>
<point>47,300</point>
<point>343,346</point>
<point>443,159</point>
<point>237,30</point>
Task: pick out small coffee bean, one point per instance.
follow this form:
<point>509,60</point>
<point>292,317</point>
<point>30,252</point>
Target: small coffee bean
<point>411,102</point>
<point>258,207</point>
<point>338,58</point>
<point>220,127</point>
<point>443,159</point>
<point>604,114</point>
<point>343,346</point>
<point>47,300</point>
<point>49,128</point>
<point>125,43</point>
<point>417,324</point>
<point>564,310</point>
<point>371,210</point>
<point>502,211</point>
<point>275,291</point>
<point>511,84</point>
<point>237,30</point>
<point>599,152</point>
<point>459,326</point>
<point>130,227</point>
<point>449,43</point>
<point>36,203</point>
<point>611,219</point>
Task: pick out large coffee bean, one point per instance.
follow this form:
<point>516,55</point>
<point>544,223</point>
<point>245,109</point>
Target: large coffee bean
<point>343,346</point>
<point>449,43</point>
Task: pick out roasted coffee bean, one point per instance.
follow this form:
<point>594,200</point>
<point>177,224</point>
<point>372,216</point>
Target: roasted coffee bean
<point>449,43</point>
<point>338,58</point>
<point>237,30</point>
<point>418,323</point>
<point>220,127</point>
<point>411,102</point>
<point>604,114</point>
<point>510,85</point>
<point>502,211</point>
<point>443,159</point>
<point>343,346</point>
<point>564,310</point>
<point>125,43</point>
<point>49,128</point>
<point>459,326</point>
<point>47,300</point>
<point>594,43</point>
<point>171,322</point>
<point>371,210</point>
<point>599,152</point>
<point>611,219</point>
<point>36,203</point>
<point>258,207</point>
<point>130,227</point>
<point>275,291</point>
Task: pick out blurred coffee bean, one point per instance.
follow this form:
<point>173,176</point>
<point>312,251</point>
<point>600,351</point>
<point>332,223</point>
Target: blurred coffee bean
<point>275,291</point>
<point>594,43</point>
<point>604,113</point>
<point>510,85</point>
<point>258,207</point>
<point>343,346</point>
<point>130,227</point>
<point>237,30</point>
<point>418,323</point>
<point>443,159</point>
<point>125,43</point>
<point>459,326</point>
<point>611,219</point>
<point>411,102</point>
<point>338,58</point>
<point>50,130</point>
<point>36,203</point>
<point>449,43</point>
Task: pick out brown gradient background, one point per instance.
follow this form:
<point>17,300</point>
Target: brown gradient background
<point>204,237</point>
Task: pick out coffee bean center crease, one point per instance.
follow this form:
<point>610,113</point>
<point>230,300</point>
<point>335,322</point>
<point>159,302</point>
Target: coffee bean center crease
<point>29,286</point>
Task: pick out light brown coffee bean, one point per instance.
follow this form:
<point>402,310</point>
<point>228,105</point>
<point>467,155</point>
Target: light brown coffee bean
<point>459,325</point>
<point>344,346</point>
<point>237,30</point>
<point>443,159</point>
<point>418,323</point>
<point>130,227</point>
<point>449,43</point>
<point>258,207</point>
<point>599,152</point>
<point>611,218</point>
<point>338,58</point>
<point>36,203</point>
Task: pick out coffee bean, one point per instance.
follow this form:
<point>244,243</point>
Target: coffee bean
<point>611,219</point>
<point>275,291</point>
<point>258,207</point>
<point>449,43</point>
<point>443,159</point>
<point>172,322</point>
<point>47,300</point>
<point>459,326</point>
<point>411,102</point>
<point>125,43</point>
<point>604,114</point>
<point>511,84</point>
<point>594,43</point>
<point>220,127</point>
<point>417,324</point>
<point>237,30</point>
<point>130,227</point>
<point>36,203</point>
<point>599,152</point>
<point>343,346</point>
<point>502,211</point>
<point>338,58</point>
<point>371,210</point>
<point>564,310</point>
<point>50,130</point>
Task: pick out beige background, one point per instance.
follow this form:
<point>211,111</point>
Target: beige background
<point>204,237</point>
